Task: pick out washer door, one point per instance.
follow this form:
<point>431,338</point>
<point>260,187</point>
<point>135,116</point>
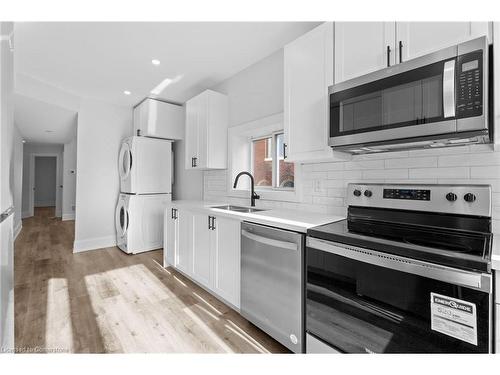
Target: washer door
<point>122,218</point>
<point>125,161</point>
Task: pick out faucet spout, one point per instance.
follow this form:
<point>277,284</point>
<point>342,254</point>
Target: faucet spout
<point>253,195</point>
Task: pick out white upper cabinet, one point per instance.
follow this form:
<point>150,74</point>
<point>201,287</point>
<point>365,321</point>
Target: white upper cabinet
<point>308,65</point>
<point>362,48</point>
<point>415,39</point>
<point>154,118</point>
<point>206,131</point>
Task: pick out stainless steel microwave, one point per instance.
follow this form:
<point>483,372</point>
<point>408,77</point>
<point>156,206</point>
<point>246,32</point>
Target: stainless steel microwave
<point>440,99</point>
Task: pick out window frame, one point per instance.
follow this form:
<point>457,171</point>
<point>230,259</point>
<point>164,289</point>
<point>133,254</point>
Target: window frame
<point>239,159</point>
<point>275,161</point>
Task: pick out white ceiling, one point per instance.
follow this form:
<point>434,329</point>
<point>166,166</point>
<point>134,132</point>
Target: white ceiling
<point>101,60</point>
<point>43,122</point>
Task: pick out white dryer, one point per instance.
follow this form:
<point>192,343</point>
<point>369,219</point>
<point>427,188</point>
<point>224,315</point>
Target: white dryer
<point>139,222</point>
<point>145,165</point>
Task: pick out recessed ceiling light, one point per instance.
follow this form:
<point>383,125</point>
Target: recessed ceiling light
<point>24,141</point>
<point>155,62</point>
<point>126,92</point>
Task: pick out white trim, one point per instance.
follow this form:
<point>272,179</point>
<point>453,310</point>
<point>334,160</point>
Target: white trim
<point>17,229</point>
<point>31,201</point>
<point>66,217</point>
<point>25,214</point>
<point>94,243</point>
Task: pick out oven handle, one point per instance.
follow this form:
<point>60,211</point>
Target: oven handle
<point>474,280</point>
<point>270,241</point>
<point>449,89</point>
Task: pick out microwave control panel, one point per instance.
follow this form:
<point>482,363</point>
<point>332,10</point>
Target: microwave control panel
<point>470,85</point>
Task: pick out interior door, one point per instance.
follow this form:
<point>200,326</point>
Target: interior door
<point>201,249</point>
<point>420,38</point>
<point>6,202</point>
<point>361,48</point>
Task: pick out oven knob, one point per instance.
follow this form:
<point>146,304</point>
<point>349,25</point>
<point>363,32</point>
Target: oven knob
<point>357,192</point>
<point>368,193</point>
<point>469,197</point>
<point>452,197</point>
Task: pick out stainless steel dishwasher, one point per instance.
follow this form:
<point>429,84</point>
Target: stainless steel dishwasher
<point>271,282</point>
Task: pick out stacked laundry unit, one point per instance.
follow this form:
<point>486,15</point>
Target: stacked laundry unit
<point>145,166</point>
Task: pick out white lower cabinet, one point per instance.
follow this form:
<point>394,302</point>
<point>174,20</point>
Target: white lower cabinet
<point>206,248</point>
<point>202,249</point>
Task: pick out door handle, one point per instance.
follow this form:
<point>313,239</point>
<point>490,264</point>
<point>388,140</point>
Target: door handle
<point>449,89</point>
<point>284,151</point>
<point>400,52</point>
<point>388,56</point>
<point>270,241</point>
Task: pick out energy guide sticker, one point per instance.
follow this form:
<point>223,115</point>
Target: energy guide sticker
<point>454,317</point>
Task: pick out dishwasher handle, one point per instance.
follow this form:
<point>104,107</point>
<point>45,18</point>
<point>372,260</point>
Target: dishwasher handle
<point>270,241</point>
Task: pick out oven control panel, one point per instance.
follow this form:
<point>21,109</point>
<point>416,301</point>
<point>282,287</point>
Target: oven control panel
<point>415,194</point>
<point>470,85</point>
<point>456,199</point>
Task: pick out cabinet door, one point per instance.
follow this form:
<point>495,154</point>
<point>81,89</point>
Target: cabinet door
<point>191,138</point>
<point>420,38</point>
<point>170,238</point>
<point>184,247</point>
<point>361,48</point>
<point>202,132</point>
<point>226,253</point>
<point>308,68</point>
<point>201,249</point>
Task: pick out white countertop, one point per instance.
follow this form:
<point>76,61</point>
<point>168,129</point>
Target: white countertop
<point>298,221</point>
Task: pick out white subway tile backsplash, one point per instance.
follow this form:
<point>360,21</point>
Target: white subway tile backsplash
<point>455,172</point>
<point>417,162</point>
<point>324,184</point>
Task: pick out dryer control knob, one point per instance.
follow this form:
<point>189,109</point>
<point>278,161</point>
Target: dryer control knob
<point>469,197</point>
<point>452,197</point>
<point>357,193</point>
<point>368,193</point>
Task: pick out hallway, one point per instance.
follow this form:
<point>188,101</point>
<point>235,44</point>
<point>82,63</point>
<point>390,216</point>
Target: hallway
<point>105,301</point>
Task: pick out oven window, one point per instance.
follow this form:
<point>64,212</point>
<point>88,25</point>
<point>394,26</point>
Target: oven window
<point>359,307</point>
<point>410,98</point>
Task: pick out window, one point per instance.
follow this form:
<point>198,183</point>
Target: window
<point>269,166</point>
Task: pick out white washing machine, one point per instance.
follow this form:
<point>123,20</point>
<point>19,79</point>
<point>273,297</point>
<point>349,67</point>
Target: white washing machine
<point>139,222</point>
<point>145,165</point>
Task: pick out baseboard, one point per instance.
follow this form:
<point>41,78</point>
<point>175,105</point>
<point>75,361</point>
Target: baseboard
<point>68,217</point>
<point>45,204</point>
<point>94,243</point>
<point>26,214</point>
<point>17,229</point>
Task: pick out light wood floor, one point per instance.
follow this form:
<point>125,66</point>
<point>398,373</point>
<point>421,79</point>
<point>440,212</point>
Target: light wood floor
<point>105,301</point>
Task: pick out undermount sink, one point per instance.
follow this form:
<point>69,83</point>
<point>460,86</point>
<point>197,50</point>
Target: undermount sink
<point>229,207</point>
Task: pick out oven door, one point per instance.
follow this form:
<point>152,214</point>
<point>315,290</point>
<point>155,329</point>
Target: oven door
<point>362,301</point>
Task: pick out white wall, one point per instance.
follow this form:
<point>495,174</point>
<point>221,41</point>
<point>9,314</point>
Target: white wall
<point>45,181</point>
<point>31,149</point>
<point>69,180</point>
<point>17,182</point>
<point>101,128</point>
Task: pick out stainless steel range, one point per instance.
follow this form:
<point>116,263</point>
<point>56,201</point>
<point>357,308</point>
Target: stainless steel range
<point>408,271</point>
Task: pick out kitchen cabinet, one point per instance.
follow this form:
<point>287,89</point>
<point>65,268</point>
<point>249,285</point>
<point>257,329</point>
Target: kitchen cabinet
<point>206,248</point>
<point>206,131</point>
<point>308,71</point>
<point>415,39</point>
<point>202,249</point>
<point>365,47</point>
<point>171,237</point>
<point>362,48</point>
<point>155,118</point>
<point>225,243</point>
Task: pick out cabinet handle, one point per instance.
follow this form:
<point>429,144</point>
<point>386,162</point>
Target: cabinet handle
<point>210,222</point>
<point>213,222</point>
<point>388,56</point>
<point>192,162</point>
<point>195,159</point>
<point>284,151</point>
<point>400,52</point>
<point>172,214</point>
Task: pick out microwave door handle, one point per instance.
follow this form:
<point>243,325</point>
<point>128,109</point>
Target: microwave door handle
<point>449,89</point>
